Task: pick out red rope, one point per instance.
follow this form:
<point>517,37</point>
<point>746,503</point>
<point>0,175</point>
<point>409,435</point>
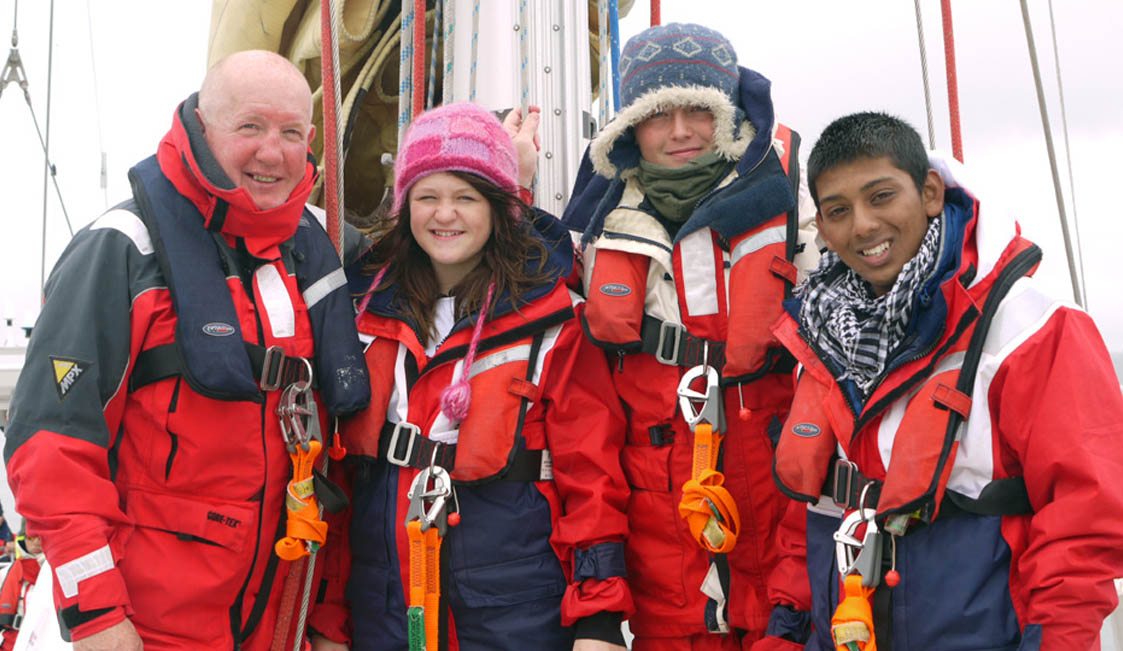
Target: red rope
<point>418,57</point>
<point>655,18</point>
<point>331,160</point>
<point>953,88</point>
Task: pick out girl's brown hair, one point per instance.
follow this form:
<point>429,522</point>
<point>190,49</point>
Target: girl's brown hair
<point>505,256</point>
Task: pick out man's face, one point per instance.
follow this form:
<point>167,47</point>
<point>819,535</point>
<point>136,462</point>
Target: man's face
<point>873,217</point>
<point>260,134</point>
<point>676,136</point>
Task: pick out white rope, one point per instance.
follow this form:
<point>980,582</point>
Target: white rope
<point>405,69</point>
<point>448,91</point>
<point>431,95</point>
<point>475,50</point>
<point>524,58</point>
<point>1068,154</point>
<point>924,74</point>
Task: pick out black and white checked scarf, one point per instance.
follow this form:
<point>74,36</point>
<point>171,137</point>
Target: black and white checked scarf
<point>844,319</point>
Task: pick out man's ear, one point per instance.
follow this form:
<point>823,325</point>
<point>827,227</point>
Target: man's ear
<point>933,194</point>
<point>199,117</point>
<point>819,228</point>
<point>311,133</point>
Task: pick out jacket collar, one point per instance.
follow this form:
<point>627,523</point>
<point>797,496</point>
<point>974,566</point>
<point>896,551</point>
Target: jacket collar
<point>190,165</point>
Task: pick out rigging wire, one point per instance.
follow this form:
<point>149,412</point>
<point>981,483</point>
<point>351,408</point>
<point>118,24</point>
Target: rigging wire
<point>1076,291</point>
<point>104,181</point>
<point>1068,155</point>
<point>48,168</point>
<point>924,75</point>
<point>953,88</point>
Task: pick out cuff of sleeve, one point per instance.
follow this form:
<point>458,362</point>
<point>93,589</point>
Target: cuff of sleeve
<point>603,626</point>
<point>75,624</point>
<point>601,561</point>
<point>788,623</point>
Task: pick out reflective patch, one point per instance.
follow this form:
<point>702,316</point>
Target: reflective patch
<point>615,289</point>
<point>278,305</point>
<point>806,430</point>
<point>218,329</point>
<point>129,225</point>
<point>69,574</point>
<point>67,373</point>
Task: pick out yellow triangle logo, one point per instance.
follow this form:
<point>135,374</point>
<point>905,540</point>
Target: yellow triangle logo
<point>62,367</point>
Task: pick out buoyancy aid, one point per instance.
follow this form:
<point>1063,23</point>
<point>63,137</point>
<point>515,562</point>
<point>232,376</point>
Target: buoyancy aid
<point>927,436</point>
<point>722,284</point>
<point>209,351</point>
<point>490,442</point>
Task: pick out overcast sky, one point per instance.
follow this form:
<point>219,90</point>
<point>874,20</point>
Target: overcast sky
<point>116,93</point>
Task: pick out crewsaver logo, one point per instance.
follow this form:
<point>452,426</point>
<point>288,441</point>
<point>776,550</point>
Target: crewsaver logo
<point>218,329</point>
<point>615,289</point>
<point>67,373</point>
<point>806,430</point>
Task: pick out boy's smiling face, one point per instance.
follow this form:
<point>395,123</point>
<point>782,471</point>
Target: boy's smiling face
<point>873,217</point>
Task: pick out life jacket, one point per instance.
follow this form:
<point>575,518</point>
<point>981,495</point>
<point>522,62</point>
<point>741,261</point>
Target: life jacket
<point>927,437</point>
<point>209,350</point>
<point>491,442</point>
<point>21,575</point>
<point>722,285</point>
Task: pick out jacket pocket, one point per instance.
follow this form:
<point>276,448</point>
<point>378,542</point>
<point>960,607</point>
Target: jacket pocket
<point>212,544</point>
<point>655,547</point>
<point>508,583</point>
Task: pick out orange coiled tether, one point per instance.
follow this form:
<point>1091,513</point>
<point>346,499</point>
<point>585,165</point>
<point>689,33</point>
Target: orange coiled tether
<point>852,622</point>
<point>708,508</point>
<point>304,530</point>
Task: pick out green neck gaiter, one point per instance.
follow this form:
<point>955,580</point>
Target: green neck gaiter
<point>674,191</point>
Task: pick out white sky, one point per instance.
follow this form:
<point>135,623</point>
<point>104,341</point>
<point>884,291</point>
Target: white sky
<point>825,58</point>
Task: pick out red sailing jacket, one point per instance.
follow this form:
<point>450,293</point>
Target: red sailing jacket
<point>1045,407</point>
<point>154,502</point>
<point>557,398</point>
<point>653,303</point>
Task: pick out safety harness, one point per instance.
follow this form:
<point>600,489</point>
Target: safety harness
<point>861,561</point>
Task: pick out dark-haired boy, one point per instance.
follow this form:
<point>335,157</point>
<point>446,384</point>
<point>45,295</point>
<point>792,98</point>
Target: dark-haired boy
<point>961,429</point>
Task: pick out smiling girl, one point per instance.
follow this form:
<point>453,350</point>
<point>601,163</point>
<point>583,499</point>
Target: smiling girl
<point>488,399</point>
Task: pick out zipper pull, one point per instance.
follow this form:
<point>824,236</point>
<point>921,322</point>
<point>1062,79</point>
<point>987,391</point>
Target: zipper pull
<point>620,361</point>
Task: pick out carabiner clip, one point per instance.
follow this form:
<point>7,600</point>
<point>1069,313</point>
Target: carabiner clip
<point>427,503</point>
<point>702,407</point>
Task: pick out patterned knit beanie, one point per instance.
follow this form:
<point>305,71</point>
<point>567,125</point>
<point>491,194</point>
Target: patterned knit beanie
<point>677,65</point>
<point>462,137</point>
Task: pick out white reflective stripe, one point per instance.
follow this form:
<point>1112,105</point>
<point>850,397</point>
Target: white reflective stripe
<point>507,355</point>
<point>277,303</point>
<point>757,241</point>
<point>366,340</point>
<point>324,286</point>
<point>69,574</point>
<point>397,410</point>
<point>699,277</point>
<point>546,468</point>
<point>129,224</point>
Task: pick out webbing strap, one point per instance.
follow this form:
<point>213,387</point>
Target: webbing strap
<point>410,449</point>
<point>424,586</point>
<point>707,506</point>
<point>163,361</point>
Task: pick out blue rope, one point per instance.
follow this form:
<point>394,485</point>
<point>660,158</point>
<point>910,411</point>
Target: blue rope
<point>614,28</point>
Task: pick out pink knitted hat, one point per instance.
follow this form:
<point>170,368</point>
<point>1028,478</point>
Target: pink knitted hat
<point>461,137</point>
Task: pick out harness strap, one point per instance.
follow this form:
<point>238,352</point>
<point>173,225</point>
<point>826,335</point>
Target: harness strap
<point>272,368</point>
<point>402,444</point>
<point>671,344</point>
<point>424,586</point>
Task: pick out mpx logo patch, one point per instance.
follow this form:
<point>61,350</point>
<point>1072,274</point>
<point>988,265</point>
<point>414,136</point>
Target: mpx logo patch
<point>806,430</point>
<point>67,373</point>
<point>615,289</point>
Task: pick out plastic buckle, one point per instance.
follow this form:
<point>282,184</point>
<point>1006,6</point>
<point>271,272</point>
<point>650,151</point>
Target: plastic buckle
<point>414,432</point>
<point>437,496</point>
<point>710,411</point>
<point>844,473</point>
<point>271,368</point>
<point>677,330</point>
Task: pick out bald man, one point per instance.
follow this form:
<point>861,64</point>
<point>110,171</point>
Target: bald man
<point>144,444</point>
